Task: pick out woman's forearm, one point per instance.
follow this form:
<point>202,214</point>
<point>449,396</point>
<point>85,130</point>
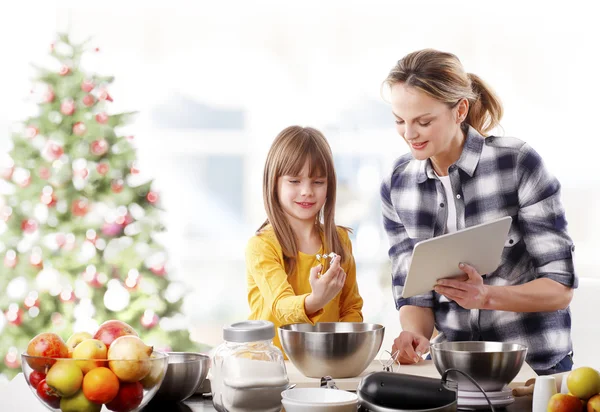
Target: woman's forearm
<point>417,320</point>
<point>540,295</point>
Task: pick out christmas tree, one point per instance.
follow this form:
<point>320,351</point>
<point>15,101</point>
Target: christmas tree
<point>78,230</point>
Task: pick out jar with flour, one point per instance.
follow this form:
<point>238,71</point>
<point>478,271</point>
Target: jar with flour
<point>248,373</point>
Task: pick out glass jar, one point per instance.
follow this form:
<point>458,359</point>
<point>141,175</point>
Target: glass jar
<point>248,372</point>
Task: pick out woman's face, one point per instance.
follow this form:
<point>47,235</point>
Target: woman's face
<point>427,125</point>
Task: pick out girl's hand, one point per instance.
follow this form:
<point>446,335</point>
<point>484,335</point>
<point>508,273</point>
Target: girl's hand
<point>327,286</point>
<point>409,347</point>
<point>470,293</point>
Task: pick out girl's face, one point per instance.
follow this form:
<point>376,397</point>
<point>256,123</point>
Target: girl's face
<point>302,197</point>
<point>427,125</point>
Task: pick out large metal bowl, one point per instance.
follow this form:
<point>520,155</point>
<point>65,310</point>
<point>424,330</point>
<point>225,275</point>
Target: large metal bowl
<point>185,373</point>
<point>492,364</point>
<point>336,349</point>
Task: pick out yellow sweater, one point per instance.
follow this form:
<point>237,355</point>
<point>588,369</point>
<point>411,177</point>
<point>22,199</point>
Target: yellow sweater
<point>279,298</point>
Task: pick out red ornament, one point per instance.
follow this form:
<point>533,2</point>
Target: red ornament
<point>88,100</point>
<point>11,360</point>
<point>87,86</point>
<point>79,129</point>
<point>158,270</point>
<point>81,173</point>
<point>102,168</point>
<point>97,49</point>
<point>31,132</point>
<point>49,199</point>
<point>149,321</point>
<point>152,197</point>
<point>32,301</point>
<point>111,229</point>
<point>52,150</point>
<point>11,259</point>
<point>29,226</point>
<point>14,317</point>
<point>48,96</point>
<point>64,70</point>
<point>134,169</point>
<point>129,138</point>
<point>80,207</point>
<point>99,147</point>
<point>103,95</point>
<point>36,260</point>
<point>124,220</point>
<point>67,295</point>
<point>61,239</point>
<point>67,107</point>
<point>44,173</point>
<point>117,185</point>
<point>25,182</point>
<point>102,118</point>
<point>7,172</point>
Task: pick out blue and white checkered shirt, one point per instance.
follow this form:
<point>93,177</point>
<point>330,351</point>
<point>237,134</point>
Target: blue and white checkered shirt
<point>494,177</point>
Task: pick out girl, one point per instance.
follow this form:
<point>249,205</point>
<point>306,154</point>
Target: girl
<point>455,177</point>
<point>286,282</point>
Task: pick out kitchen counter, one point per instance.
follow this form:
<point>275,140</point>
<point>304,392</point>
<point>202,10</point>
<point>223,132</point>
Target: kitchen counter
<point>202,404</point>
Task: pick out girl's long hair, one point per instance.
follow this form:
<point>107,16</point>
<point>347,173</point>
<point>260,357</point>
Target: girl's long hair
<point>290,151</point>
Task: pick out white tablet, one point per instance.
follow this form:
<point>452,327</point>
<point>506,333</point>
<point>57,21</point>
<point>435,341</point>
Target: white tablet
<point>480,246</point>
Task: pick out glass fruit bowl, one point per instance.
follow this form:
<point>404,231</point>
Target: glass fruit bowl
<point>94,385</point>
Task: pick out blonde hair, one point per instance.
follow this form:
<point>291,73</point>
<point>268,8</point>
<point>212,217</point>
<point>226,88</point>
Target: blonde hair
<point>290,151</point>
<point>442,76</point>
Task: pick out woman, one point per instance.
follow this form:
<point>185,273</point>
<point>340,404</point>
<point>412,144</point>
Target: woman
<point>455,177</point>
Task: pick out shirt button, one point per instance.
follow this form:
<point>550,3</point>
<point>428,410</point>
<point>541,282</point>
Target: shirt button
<point>458,196</point>
<point>573,248</point>
<point>511,241</point>
<point>441,205</point>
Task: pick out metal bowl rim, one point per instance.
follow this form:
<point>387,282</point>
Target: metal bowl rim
<point>435,346</point>
<point>202,356</point>
<point>286,329</point>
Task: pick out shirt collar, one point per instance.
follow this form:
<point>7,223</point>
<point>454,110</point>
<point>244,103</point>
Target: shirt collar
<point>467,161</point>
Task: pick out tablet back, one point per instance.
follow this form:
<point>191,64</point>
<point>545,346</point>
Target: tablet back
<point>432,259</point>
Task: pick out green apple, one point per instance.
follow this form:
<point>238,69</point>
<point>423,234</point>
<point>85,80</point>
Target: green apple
<point>78,403</point>
<point>64,377</point>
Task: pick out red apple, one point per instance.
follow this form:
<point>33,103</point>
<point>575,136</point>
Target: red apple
<point>47,394</point>
<point>48,345</point>
<point>562,402</point>
<point>129,397</point>
<point>111,330</point>
<point>35,378</point>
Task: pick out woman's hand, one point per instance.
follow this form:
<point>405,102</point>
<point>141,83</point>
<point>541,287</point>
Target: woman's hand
<point>470,292</point>
<point>324,287</point>
<point>410,347</point>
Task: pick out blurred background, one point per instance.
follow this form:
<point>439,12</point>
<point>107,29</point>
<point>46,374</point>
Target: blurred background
<point>215,81</point>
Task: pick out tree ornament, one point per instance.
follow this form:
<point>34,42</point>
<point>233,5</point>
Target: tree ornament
<point>99,147</point>
<point>87,86</point>
<point>88,100</point>
<point>67,107</point>
<point>158,270</point>
<point>64,70</point>
<point>111,229</point>
<point>117,185</point>
<point>29,226</point>
<point>44,173</point>
<point>31,132</point>
<point>102,118</point>
<point>48,96</point>
<point>149,319</point>
<point>52,151</point>
<point>11,259</point>
<point>11,360</point>
<point>103,95</point>
<point>102,168</point>
<point>152,197</point>
<point>134,169</point>
<point>80,207</point>
<point>14,315</point>
<point>79,129</point>
<point>36,260</point>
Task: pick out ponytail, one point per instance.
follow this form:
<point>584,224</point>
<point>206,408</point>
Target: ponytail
<point>485,109</point>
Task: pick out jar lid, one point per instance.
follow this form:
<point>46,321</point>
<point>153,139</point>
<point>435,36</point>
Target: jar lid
<point>249,331</point>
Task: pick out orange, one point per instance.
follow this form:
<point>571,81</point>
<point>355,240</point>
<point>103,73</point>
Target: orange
<point>100,385</point>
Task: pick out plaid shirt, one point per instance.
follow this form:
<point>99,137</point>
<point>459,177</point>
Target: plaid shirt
<point>494,177</point>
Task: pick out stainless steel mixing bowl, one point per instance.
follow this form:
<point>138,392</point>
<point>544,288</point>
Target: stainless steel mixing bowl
<point>336,349</point>
<point>185,373</point>
<point>492,364</point>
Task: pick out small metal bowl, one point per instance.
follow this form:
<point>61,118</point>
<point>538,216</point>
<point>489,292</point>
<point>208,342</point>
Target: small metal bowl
<point>185,373</point>
<point>492,364</point>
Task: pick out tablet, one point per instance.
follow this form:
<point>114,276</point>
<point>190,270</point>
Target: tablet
<point>480,246</point>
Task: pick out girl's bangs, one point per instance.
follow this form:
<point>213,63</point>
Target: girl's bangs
<point>294,162</point>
